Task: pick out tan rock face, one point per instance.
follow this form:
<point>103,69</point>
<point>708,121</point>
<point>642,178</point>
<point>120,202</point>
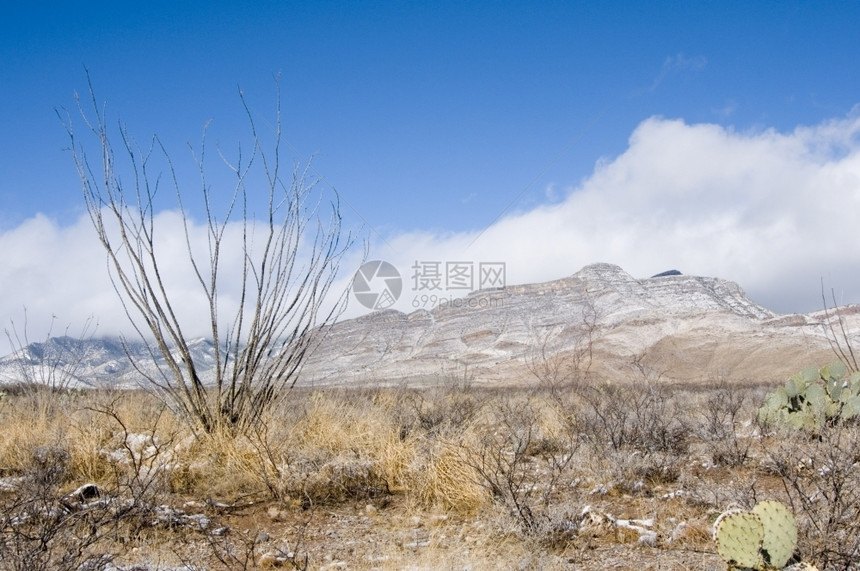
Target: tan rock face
<point>601,321</point>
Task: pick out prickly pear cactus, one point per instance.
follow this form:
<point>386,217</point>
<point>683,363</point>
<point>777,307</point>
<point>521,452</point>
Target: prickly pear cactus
<point>814,398</point>
<point>760,539</point>
<point>739,538</point>
<point>780,532</point>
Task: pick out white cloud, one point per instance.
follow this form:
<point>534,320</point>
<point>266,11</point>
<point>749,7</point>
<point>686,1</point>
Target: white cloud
<point>58,276</point>
<point>776,212</point>
<point>52,271</point>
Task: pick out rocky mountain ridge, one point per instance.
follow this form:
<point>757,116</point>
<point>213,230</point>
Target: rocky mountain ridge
<point>683,327</point>
<point>67,362</point>
<point>601,321</point>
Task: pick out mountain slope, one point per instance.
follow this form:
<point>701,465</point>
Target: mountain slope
<point>600,320</point>
<point>686,327</point>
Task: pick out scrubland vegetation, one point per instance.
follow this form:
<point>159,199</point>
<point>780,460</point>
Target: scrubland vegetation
<point>454,476</point>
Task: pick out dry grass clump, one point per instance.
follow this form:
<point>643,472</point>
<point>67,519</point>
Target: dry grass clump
<point>334,448</point>
<point>448,482</point>
<point>29,421</point>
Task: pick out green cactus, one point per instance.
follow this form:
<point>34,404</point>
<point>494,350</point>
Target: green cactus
<point>761,539</point>
<point>850,408</point>
<point>854,382</point>
<point>814,398</point>
<point>832,377</point>
<point>780,532</point>
<point>739,537</point>
<point>801,420</point>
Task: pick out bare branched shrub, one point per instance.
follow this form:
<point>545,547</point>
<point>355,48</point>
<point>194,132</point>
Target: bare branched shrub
<point>142,462</point>
<point>234,551</point>
<point>562,355</point>
<point>521,453</point>
<point>43,528</point>
<point>638,431</point>
<point>545,363</point>
<point>836,331</point>
<point>640,417</point>
<point>43,525</point>
<point>659,422</point>
<point>284,262</point>
<point>821,477</point>
<point>646,368</point>
<point>436,411</point>
<point>721,414</point>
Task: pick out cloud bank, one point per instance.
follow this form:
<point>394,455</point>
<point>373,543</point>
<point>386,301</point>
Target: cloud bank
<point>775,212</point>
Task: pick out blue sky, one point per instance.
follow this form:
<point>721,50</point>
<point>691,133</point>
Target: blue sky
<point>435,121</point>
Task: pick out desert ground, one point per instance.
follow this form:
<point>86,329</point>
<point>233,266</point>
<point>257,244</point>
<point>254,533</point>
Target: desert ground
<point>586,475</point>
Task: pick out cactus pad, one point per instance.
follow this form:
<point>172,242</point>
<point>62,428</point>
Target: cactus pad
<point>780,532</point>
<point>851,408</point>
<point>739,539</point>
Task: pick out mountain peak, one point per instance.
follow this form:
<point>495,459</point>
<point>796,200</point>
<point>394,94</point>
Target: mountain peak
<point>603,272</point>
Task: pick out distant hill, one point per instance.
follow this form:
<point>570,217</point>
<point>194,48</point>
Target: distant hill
<point>93,362</point>
<point>676,326</point>
<point>601,319</point>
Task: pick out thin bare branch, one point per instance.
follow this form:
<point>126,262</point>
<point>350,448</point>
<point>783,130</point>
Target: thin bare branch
<point>290,258</point>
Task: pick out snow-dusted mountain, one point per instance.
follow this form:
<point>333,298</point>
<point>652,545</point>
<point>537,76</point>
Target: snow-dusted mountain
<point>601,318</point>
<point>93,362</point>
<point>679,327</point>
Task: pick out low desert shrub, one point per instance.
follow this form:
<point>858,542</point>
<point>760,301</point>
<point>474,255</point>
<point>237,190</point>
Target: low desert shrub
<point>641,417</point>
<point>521,450</point>
<point>722,416</point>
<point>821,479</point>
<point>43,527</point>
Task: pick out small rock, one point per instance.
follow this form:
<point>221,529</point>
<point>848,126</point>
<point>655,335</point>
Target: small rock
<point>276,514</point>
<point>268,560</point>
<point>649,538</point>
<point>279,559</point>
<point>85,493</point>
<point>10,484</point>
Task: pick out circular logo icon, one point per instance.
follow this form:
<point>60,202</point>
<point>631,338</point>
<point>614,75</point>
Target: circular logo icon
<point>377,285</point>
